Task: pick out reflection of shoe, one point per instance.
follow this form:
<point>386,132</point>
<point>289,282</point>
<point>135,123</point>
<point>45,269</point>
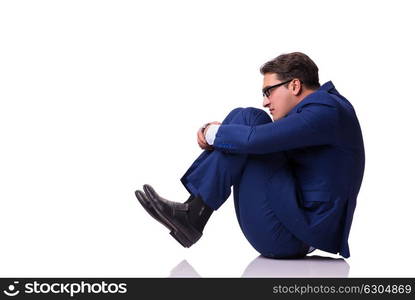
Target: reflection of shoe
<point>184,220</point>
<point>183,269</point>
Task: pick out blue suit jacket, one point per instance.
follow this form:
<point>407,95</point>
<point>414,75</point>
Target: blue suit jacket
<point>323,143</point>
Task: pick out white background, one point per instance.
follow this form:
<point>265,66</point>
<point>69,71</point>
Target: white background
<point>99,97</point>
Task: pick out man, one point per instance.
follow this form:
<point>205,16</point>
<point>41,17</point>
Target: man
<point>295,178</point>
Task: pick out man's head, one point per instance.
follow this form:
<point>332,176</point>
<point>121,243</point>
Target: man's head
<point>298,76</point>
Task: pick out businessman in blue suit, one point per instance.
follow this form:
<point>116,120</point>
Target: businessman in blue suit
<point>295,177</point>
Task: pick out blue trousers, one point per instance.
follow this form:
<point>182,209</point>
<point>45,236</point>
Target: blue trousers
<point>213,173</point>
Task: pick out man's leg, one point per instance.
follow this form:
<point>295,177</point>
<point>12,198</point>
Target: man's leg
<point>214,172</point>
<point>209,182</point>
<point>209,179</point>
<point>256,218</point>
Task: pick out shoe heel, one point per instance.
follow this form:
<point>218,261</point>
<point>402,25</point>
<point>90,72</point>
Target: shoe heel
<point>181,238</point>
<point>194,234</point>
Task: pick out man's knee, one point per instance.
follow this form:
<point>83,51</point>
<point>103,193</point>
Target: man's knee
<point>247,116</point>
<point>255,116</point>
<point>232,115</point>
<point>236,110</point>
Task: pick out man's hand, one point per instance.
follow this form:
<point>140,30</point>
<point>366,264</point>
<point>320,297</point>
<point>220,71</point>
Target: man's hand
<point>201,139</point>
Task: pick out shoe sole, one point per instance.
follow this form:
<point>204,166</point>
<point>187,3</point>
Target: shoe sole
<point>174,231</point>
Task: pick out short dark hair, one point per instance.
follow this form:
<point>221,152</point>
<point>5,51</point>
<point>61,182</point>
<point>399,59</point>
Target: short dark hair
<point>293,65</point>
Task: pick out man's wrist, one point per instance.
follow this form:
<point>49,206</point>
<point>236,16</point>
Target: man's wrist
<point>210,133</point>
<point>204,127</point>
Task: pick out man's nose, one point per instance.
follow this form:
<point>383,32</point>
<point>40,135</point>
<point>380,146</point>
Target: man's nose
<point>265,102</point>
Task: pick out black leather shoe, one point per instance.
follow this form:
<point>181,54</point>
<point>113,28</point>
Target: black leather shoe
<point>142,198</point>
<point>174,216</point>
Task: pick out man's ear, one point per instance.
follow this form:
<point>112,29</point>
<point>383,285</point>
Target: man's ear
<point>296,87</point>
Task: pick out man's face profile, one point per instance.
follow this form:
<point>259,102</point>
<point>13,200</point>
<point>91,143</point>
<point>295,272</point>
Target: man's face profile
<point>280,100</point>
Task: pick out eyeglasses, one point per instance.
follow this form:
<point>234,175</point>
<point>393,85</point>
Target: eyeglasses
<point>266,91</point>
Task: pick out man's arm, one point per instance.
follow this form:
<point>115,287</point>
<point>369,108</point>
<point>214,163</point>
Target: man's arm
<point>315,124</point>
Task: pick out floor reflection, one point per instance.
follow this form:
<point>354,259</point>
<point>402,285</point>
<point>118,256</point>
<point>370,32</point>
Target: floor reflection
<point>183,269</point>
<point>310,266</point>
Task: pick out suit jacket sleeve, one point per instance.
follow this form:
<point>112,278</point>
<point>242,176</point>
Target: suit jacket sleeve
<point>310,125</point>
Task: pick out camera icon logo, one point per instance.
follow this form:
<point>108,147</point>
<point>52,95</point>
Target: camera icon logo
<point>11,289</point>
